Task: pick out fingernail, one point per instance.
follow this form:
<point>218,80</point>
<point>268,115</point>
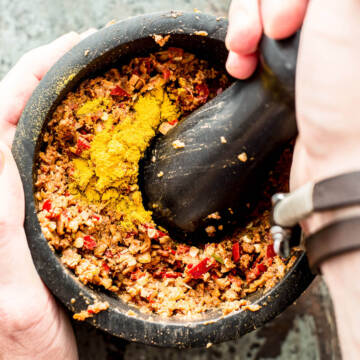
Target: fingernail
<point>2,161</point>
<point>229,61</point>
<point>227,41</point>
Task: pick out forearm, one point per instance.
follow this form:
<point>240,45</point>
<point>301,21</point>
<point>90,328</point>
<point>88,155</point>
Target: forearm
<point>341,274</point>
<point>341,271</point>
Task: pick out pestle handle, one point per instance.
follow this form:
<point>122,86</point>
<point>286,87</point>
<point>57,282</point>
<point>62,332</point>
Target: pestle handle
<point>255,116</point>
<point>280,56</point>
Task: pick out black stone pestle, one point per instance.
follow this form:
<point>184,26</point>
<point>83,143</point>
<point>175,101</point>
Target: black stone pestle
<point>255,117</point>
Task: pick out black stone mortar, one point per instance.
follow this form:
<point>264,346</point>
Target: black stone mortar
<point>113,45</point>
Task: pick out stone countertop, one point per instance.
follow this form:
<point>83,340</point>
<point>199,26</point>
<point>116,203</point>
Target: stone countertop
<point>306,330</point>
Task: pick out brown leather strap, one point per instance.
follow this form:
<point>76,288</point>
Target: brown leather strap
<point>338,191</point>
<point>329,194</point>
<point>334,239</point>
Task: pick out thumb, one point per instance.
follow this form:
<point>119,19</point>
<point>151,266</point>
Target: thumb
<point>16,264</point>
<point>11,191</point>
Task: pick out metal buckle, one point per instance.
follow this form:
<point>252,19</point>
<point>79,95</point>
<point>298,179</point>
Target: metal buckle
<point>280,235</point>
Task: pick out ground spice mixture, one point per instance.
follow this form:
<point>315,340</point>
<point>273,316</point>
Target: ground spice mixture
<point>90,207</point>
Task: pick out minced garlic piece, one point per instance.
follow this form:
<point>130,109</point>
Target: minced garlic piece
<point>214,215</point>
<point>91,310</point>
<point>161,40</point>
<point>223,140</point>
<point>243,157</point>
<point>210,230</point>
<point>252,307</point>
<point>201,33</point>
<point>165,127</point>
<point>177,144</point>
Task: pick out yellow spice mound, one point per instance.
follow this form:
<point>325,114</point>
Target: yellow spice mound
<point>108,171</point>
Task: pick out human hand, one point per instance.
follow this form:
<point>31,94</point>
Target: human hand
<point>321,150</point>
<point>32,324</point>
<point>327,98</point>
<point>249,19</point>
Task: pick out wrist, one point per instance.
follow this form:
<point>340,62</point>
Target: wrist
<point>340,276</point>
<point>318,220</point>
<point>316,163</point>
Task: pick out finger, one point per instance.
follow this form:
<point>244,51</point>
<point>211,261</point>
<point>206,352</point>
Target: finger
<point>241,66</point>
<point>282,18</point>
<point>38,61</point>
<point>87,33</point>
<point>11,191</point>
<point>245,28</point>
<point>18,85</point>
<point>14,252</point>
<point>27,310</point>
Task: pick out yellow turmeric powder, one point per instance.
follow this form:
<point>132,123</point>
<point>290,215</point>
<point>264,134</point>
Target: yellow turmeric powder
<point>109,170</point>
<point>93,106</point>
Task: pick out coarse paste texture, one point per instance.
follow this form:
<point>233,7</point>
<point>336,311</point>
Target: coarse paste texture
<point>90,207</point>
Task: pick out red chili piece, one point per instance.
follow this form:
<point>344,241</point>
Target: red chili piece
<point>270,252</point>
<point>173,275</point>
<point>52,216</point>
<point>82,145</point>
<point>166,74</point>
<point>262,268</point>
<point>118,91</point>
<point>201,268</point>
<point>161,234</point>
<point>236,252</point>
<point>173,122</point>
<point>47,205</point>
<point>89,242</point>
<point>105,266</point>
<point>256,272</point>
<point>203,92</point>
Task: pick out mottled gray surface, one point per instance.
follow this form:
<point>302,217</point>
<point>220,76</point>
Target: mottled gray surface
<point>25,24</point>
<point>306,330</point>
